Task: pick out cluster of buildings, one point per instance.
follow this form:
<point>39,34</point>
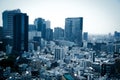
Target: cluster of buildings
<point>42,53</point>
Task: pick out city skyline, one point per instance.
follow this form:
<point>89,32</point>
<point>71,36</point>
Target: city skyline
<point>99,16</point>
<point>82,45</point>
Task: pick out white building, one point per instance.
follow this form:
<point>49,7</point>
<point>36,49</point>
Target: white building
<point>33,34</point>
<point>47,24</point>
<point>59,53</point>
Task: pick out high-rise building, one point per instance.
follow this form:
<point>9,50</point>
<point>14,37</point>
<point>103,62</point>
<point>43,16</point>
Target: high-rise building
<point>20,32</point>
<point>49,34</point>
<point>59,53</point>
<point>58,33</point>
<point>7,17</point>
<point>117,36</point>
<point>47,24</point>
<point>85,36</point>
<point>68,29</point>
<point>41,26</point>
<point>73,30</point>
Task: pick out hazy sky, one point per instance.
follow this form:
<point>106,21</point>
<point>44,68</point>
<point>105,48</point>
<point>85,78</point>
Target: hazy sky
<point>100,16</point>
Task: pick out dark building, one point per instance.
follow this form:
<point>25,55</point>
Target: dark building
<point>90,45</point>
<point>49,34</point>
<point>1,33</point>
<point>117,36</point>
<point>96,66</point>
<point>85,36</point>
<point>108,68</point>
<point>2,47</point>
<point>7,17</point>
<point>73,30</point>
<point>37,39</point>
<point>20,32</point>
<point>41,26</point>
<point>68,29</point>
<point>58,33</point>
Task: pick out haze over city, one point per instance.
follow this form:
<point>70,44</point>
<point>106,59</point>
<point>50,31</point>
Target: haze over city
<point>100,16</point>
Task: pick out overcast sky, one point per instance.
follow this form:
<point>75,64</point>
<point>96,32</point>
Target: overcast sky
<point>100,16</point>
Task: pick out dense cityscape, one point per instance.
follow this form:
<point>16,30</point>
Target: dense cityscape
<point>37,52</point>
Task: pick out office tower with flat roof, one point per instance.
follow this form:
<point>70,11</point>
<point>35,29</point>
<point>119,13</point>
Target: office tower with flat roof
<point>41,26</point>
<point>73,30</point>
<point>7,17</point>
<point>58,33</point>
<point>20,32</point>
<point>49,34</point>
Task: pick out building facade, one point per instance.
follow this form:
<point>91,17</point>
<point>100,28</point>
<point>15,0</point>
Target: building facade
<point>58,33</point>
<point>20,32</point>
<point>48,24</point>
<point>7,17</point>
<point>73,30</point>
<point>117,36</point>
<point>85,36</point>
<point>49,34</point>
<point>41,26</point>
<point>59,53</point>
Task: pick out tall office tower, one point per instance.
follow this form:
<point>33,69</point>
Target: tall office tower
<point>59,53</point>
<point>41,26</point>
<point>47,24</point>
<point>49,34</point>
<point>85,36</point>
<point>73,30</point>
<point>7,17</point>
<point>58,33</point>
<point>117,36</point>
<point>20,32</point>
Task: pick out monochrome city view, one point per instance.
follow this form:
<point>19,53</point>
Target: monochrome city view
<point>59,40</point>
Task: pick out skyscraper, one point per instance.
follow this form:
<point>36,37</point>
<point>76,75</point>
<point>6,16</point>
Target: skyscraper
<point>85,36</point>
<point>47,24</point>
<point>41,26</point>
<point>49,34</point>
<point>68,29</point>
<point>58,33</point>
<point>7,17</point>
<point>117,36</point>
<point>20,32</point>
<point>73,29</point>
